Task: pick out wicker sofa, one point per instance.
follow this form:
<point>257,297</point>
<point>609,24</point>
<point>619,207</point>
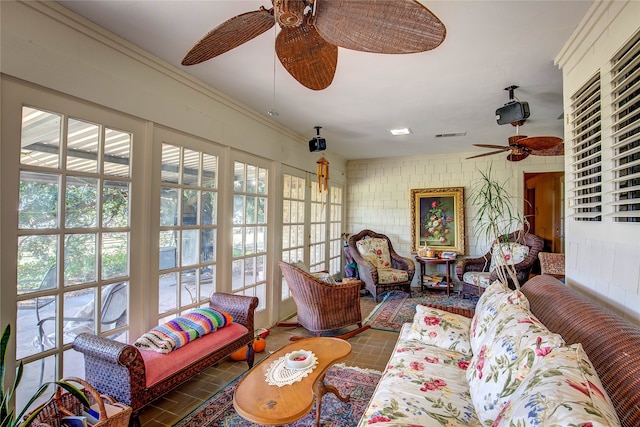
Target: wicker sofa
<point>137,378</point>
<point>432,383</point>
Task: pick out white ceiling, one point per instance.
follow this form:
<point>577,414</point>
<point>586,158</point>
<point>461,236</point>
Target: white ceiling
<point>454,88</point>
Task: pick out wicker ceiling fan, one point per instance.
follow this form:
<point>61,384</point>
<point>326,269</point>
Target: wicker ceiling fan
<point>312,31</point>
<point>521,146</point>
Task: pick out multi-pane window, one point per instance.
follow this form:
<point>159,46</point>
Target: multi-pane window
<point>318,227</point>
<point>586,153</point>
<point>188,226</point>
<point>335,229</point>
<point>249,257</point>
<point>74,238</point>
<point>293,223</point>
<point>626,132</point>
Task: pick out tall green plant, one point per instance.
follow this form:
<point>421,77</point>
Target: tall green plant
<point>8,418</point>
<point>496,217</point>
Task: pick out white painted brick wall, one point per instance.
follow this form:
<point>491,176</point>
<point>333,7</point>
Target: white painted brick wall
<point>385,192</point>
<point>379,190</point>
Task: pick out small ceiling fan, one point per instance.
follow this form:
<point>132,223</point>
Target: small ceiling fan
<point>312,31</point>
<point>522,146</point>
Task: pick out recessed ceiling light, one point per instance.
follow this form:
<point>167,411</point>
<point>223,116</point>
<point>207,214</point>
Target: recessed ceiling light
<point>400,131</point>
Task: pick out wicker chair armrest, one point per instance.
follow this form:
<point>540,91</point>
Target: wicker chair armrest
<point>466,312</point>
<point>528,261</point>
<point>479,262</point>
<point>240,307</point>
<point>107,350</point>
<point>403,263</point>
<point>494,274</point>
<point>472,264</point>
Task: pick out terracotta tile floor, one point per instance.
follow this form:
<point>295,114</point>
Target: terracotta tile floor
<point>370,349</point>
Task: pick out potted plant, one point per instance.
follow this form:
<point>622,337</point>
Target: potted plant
<point>8,417</point>
<point>496,217</point>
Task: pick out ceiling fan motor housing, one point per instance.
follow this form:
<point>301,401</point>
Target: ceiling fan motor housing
<point>513,111</point>
<point>289,13</point>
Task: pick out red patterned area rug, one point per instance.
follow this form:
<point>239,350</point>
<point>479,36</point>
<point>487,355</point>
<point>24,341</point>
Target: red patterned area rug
<point>397,308</point>
<point>353,381</point>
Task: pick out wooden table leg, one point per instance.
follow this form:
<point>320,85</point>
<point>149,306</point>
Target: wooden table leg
<point>320,389</point>
<point>447,265</point>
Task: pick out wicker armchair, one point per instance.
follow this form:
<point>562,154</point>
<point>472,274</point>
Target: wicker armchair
<point>377,274</point>
<point>322,306</point>
<point>483,264</point>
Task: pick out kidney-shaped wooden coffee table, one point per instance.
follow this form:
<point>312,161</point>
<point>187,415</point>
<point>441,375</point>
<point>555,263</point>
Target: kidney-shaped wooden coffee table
<point>258,401</point>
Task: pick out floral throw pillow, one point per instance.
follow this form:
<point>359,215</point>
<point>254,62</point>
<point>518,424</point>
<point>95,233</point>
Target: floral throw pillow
<point>502,363</point>
<point>512,253</point>
<point>562,389</point>
<point>376,251</point>
<point>489,311</point>
<point>441,329</point>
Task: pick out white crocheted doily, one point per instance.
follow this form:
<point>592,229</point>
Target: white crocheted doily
<point>280,374</point>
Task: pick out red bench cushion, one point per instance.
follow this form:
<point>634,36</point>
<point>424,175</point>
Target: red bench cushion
<point>159,366</point>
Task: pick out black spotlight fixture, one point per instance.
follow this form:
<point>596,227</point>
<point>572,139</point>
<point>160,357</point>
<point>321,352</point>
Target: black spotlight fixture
<point>317,143</point>
<point>513,111</point>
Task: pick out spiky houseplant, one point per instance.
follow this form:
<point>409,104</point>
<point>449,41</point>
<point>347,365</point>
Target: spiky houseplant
<point>8,417</point>
<point>496,217</point>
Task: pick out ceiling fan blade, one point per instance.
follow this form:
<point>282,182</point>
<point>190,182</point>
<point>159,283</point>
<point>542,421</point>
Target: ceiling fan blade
<point>497,147</point>
<point>309,58</point>
<point>229,35</point>
<point>540,142</point>
<point>379,26</point>
<point>517,157</point>
<point>486,154</point>
<point>558,150</point>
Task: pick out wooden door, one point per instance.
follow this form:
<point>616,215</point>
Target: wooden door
<point>544,207</point>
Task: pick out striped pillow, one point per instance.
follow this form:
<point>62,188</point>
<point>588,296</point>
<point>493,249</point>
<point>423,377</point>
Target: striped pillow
<point>182,330</point>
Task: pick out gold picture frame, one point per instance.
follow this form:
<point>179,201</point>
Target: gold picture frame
<point>437,219</point>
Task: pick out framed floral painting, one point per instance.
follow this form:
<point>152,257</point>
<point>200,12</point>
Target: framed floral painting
<point>437,219</point>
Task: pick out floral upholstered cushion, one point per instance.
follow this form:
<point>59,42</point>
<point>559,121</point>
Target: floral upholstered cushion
<point>477,278</point>
<point>375,250</point>
<point>392,275</point>
<point>562,389</point>
<point>488,311</point>
<point>440,328</point>
<point>422,385</point>
<point>512,253</point>
<point>502,363</point>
